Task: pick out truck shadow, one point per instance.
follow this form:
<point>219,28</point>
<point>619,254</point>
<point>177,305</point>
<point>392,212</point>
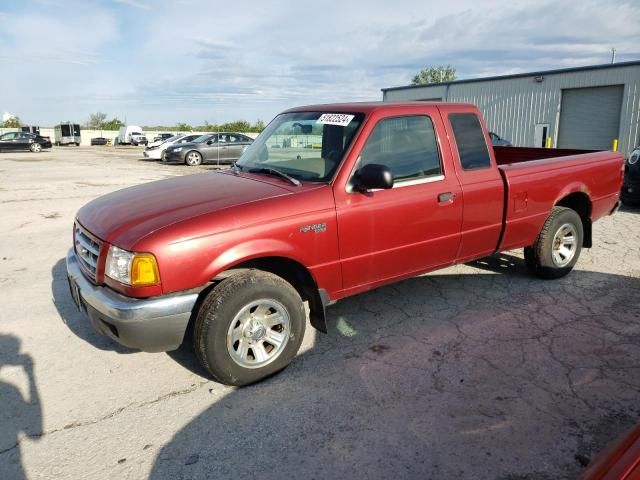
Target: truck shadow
<point>450,375</point>
<point>77,322</point>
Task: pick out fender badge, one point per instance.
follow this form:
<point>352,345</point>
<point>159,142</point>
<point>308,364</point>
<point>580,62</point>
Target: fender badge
<point>316,228</point>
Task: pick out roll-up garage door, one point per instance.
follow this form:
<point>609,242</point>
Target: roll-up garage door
<point>590,117</point>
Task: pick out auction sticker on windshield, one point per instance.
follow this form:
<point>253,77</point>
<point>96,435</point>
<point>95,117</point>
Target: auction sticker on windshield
<point>341,119</point>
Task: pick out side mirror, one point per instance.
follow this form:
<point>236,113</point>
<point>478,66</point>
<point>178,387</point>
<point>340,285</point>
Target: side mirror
<point>372,176</point>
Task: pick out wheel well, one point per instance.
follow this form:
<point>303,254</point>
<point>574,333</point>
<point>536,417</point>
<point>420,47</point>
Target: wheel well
<point>294,273</point>
<point>581,204</point>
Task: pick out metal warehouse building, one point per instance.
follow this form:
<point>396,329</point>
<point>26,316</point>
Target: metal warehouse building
<point>585,107</point>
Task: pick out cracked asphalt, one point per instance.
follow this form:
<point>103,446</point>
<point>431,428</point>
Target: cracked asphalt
<point>479,371</point>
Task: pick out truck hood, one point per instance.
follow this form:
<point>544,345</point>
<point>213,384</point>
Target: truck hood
<point>124,217</point>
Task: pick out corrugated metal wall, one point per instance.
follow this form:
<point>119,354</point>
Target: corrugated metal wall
<point>513,106</point>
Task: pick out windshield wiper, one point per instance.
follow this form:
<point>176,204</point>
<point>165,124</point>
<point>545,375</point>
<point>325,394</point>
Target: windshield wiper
<point>273,171</point>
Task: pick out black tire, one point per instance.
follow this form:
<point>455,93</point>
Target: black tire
<point>193,158</point>
<point>221,314</point>
<point>545,258</point>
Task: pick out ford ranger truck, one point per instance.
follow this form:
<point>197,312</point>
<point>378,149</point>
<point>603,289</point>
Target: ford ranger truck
<point>329,201</point>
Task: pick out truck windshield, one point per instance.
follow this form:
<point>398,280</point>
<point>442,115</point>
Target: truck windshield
<point>307,146</point>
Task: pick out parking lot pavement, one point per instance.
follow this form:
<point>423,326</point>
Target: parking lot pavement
<point>476,371</point>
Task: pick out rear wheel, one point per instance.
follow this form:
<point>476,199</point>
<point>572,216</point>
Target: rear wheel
<point>193,159</point>
<point>35,147</point>
<point>249,327</point>
<point>558,245</point>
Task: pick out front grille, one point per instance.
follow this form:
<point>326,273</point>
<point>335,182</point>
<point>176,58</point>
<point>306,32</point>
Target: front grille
<point>87,250</point>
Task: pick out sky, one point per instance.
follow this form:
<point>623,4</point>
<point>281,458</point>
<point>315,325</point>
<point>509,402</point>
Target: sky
<point>161,62</point>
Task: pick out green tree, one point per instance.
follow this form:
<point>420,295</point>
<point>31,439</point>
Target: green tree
<point>113,124</point>
<point>184,127</point>
<point>96,120</point>
<point>237,126</point>
<point>437,74</point>
<point>258,126</point>
<point>12,123</point>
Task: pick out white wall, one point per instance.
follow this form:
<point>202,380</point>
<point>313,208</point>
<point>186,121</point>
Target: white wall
<point>87,135</point>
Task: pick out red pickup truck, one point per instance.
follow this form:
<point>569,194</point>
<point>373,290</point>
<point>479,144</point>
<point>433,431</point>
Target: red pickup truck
<point>328,202</point>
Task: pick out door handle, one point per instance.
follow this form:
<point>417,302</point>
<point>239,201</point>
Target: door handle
<point>446,197</point>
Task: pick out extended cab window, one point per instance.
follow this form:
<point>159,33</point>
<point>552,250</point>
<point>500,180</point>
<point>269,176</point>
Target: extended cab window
<point>470,140</point>
<point>407,145</point>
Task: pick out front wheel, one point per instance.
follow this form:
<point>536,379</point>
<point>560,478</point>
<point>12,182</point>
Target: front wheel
<point>249,327</point>
<point>558,245</point>
<point>193,159</point>
<point>35,147</point>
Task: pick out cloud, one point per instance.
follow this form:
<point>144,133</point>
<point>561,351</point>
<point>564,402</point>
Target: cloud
<point>192,60</point>
<point>133,3</point>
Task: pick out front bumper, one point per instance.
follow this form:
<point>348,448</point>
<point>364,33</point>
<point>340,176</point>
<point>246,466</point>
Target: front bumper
<point>153,154</point>
<point>151,324</point>
<point>174,157</point>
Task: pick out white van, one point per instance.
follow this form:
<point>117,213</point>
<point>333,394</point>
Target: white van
<point>131,134</point>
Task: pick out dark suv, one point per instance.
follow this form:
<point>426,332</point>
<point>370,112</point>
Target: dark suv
<point>218,148</point>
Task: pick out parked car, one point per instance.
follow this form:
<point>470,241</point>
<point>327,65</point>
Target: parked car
<point>381,199</point>
<point>496,141</point>
<point>99,141</point>
<point>162,137</point>
<point>619,461</point>
<point>131,135</point>
<point>157,152</point>
<point>156,142</point>
<point>218,148</point>
<point>631,187</point>
<point>24,141</point>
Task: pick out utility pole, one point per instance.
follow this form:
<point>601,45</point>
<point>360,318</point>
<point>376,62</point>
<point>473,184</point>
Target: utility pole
<point>613,55</point>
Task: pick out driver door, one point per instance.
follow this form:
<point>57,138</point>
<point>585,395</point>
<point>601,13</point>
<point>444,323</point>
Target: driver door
<point>210,149</point>
<point>8,141</point>
<point>414,226</point>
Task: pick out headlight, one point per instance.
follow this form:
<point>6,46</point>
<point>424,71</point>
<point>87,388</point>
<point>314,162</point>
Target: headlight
<point>179,149</point>
<point>135,269</point>
<point>635,156</point>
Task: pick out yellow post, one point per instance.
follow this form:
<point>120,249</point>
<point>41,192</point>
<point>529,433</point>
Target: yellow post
<point>615,145</point>
<point>548,142</point>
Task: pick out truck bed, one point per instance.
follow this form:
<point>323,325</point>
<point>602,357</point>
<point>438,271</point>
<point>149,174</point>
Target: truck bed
<point>510,155</point>
<point>537,178</point>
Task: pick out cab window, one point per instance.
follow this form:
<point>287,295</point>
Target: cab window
<point>407,145</point>
<point>472,146</point>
